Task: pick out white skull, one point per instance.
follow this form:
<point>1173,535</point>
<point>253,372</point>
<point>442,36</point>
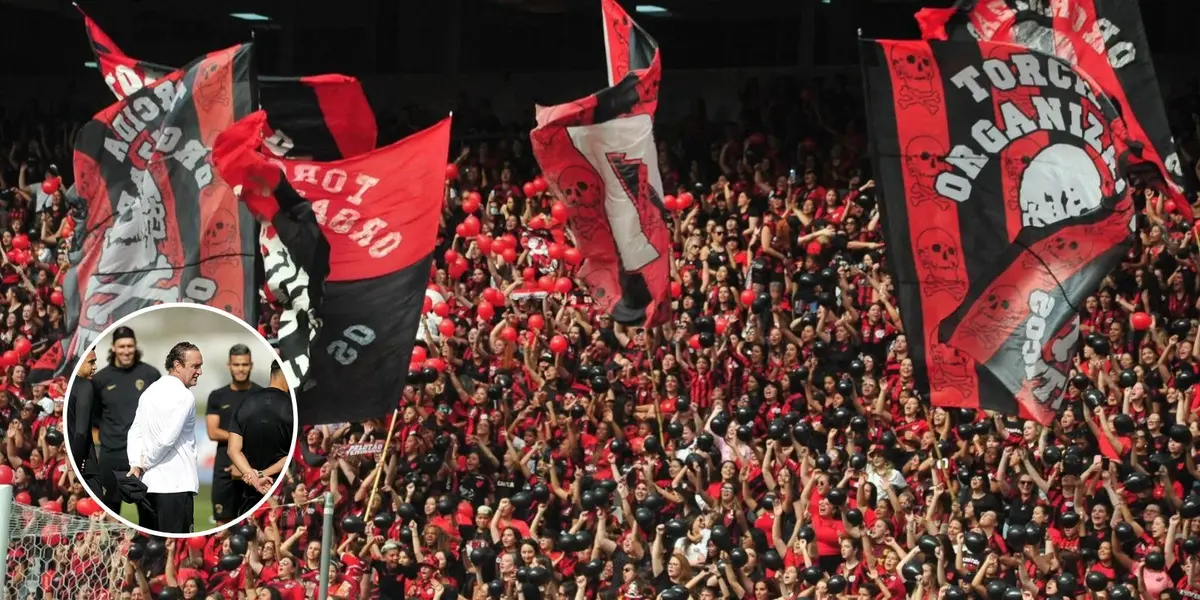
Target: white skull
<point>1062,182</point>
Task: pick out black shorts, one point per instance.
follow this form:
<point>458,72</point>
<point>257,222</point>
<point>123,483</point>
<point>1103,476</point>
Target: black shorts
<point>247,497</point>
<point>224,495</point>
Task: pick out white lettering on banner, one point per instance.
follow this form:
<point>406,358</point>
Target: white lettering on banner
<point>1102,36</point>
<point>355,338</point>
<point>374,233</point>
<point>1059,182</point>
<point>279,143</point>
<point>289,284</point>
<point>124,81</point>
<point>1048,378</point>
<point>632,138</point>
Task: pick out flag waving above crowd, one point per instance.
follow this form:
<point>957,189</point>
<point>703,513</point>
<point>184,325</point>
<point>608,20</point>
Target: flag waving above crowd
<point>322,117</point>
<point>599,157</point>
<point>1001,172</point>
<point>360,232</point>
<point>1103,38</point>
<point>161,225</point>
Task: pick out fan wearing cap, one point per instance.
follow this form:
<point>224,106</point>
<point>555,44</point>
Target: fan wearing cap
<point>118,387</point>
<point>426,586</point>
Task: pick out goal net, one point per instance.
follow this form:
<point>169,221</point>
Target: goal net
<point>52,555</point>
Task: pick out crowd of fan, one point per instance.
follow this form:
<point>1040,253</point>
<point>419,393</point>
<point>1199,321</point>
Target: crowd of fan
<point>549,453</point>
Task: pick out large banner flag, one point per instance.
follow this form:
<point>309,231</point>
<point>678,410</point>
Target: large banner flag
<point>348,253</point>
<point>599,157</point>
<point>1103,38</point>
<point>1005,207</point>
<point>161,225</point>
<point>319,117</point>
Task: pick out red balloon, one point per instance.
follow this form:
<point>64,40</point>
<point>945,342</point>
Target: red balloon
<point>470,203</point>
<point>451,255</point>
<point>22,346</point>
<point>508,334</point>
<point>470,226</point>
<point>555,250</point>
<point>428,305</point>
<point>748,297</point>
<point>485,311</point>
<point>441,309</point>
<point>87,506</point>
<point>528,189</point>
<point>418,354</point>
<point>536,322</point>
<point>9,358</point>
<point>813,249</point>
<point>451,171</point>
<point>558,212</point>
<point>509,255</point>
<point>528,274</point>
<point>56,298</point>
<point>458,267</point>
<point>572,256</point>
<point>670,203</point>
<point>558,344</point>
<point>537,222</point>
<point>6,474</point>
<point>21,242</point>
<point>510,241</point>
<point>684,200</point>
<point>485,244</point>
<point>460,231</point>
<point>720,324</point>
<point>694,341</point>
<point>539,184</point>
<point>197,543</point>
<point>676,289</point>
<point>23,498</point>
<point>563,285</point>
<point>53,506</point>
<point>437,363</point>
<point>1169,205</point>
<point>497,298</point>
<point>1140,321</point>
<point>414,367</point>
<point>51,185</point>
<point>446,328</point>
<point>546,283</point>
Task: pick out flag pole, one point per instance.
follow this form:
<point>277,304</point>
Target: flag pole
<point>379,466</point>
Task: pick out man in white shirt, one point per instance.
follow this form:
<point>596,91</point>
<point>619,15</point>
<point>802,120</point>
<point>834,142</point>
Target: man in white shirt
<point>162,444</point>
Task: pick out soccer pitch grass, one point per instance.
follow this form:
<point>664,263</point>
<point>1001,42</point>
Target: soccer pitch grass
<point>203,510</point>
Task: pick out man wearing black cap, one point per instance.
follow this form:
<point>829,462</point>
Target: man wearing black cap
<point>118,387</point>
<point>222,403</point>
<point>79,422</point>
<point>260,439</point>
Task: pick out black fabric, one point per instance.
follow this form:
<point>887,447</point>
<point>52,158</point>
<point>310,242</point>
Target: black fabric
<point>79,425</point>
<point>117,392</point>
<point>245,498</point>
<point>222,403</point>
<point>111,463</point>
<point>131,488</point>
<point>264,421</point>
<point>224,496</point>
<point>168,513</point>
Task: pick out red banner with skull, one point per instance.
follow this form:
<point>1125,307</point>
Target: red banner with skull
<point>1005,207</point>
<point>162,226</point>
<point>599,157</point>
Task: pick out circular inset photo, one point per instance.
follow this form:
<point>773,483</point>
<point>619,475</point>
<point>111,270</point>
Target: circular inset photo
<point>180,421</point>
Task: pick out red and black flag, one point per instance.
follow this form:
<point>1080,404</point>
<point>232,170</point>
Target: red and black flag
<point>1103,38</point>
<point>347,248</point>
<point>319,117</point>
<point>161,225</point>
<point>599,157</point>
<point>1005,207</point>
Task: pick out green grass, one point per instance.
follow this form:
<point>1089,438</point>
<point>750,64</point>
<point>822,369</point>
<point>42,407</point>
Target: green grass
<point>203,509</point>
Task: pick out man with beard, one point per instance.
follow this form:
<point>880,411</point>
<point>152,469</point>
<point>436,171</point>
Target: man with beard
<point>260,439</point>
<point>79,423</point>
<point>118,388</point>
<point>222,403</point>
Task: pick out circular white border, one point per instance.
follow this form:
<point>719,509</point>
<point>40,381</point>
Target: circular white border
<point>207,532</point>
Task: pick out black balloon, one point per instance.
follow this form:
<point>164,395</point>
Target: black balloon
<point>772,560</point>
<point>446,505</point>
<point>996,589</point>
<point>812,575</point>
<point>911,572</point>
<point>229,562</point>
<point>1120,592</point>
<point>1191,507</point>
<point>136,551</point>
<point>1068,584</point>
<point>738,557</point>
<point>836,584</point>
<point>836,497</point>
<point>1155,561</point>
<point>407,512</point>
<point>745,432</point>
<point>928,544</point>
<point>975,542</point>
<point>1096,581</point>
<point>854,517</point>
<point>384,520</point>
<point>719,535</point>
<point>495,588</point>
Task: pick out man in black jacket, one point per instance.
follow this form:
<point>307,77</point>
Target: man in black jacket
<point>118,388</point>
<point>260,439</point>
<point>79,423</point>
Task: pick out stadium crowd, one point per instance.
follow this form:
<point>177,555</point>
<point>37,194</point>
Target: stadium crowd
<point>544,452</point>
